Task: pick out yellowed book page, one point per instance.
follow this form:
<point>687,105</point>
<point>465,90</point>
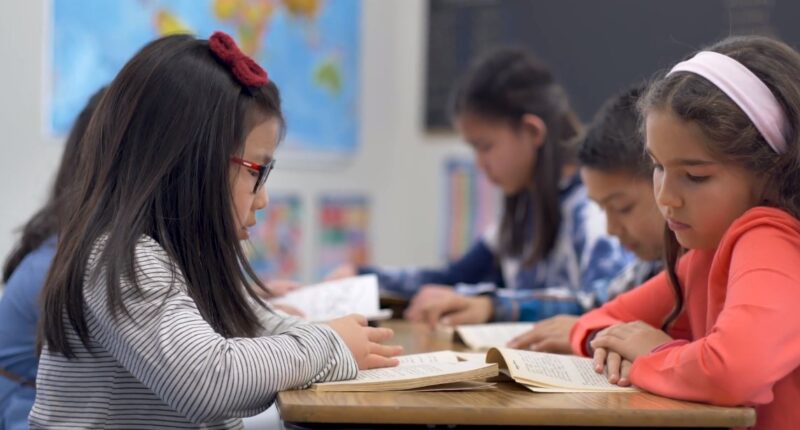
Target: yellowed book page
<point>552,371</point>
<point>494,335</point>
<point>411,376</point>
<point>460,386</point>
<point>428,357</point>
<point>536,389</point>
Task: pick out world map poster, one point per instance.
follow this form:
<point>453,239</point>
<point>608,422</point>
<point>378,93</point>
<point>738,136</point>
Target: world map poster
<point>310,49</point>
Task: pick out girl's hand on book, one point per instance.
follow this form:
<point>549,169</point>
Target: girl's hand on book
<point>630,340</point>
<point>277,288</point>
<point>456,309</point>
<point>428,294</point>
<point>281,287</point>
<point>364,342</point>
<point>288,310</point>
<point>617,368</point>
<point>550,335</point>
<point>341,272</point>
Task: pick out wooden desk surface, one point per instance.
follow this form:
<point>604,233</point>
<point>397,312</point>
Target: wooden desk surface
<point>508,404</point>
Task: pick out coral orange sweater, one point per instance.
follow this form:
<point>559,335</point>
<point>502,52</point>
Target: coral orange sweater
<point>740,325</point>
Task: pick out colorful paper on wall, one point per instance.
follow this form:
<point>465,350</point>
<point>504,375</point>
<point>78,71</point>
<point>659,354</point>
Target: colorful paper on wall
<point>343,231</point>
<point>472,204</point>
<point>275,240</point>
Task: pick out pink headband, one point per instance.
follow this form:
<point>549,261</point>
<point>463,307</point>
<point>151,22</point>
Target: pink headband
<point>746,90</point>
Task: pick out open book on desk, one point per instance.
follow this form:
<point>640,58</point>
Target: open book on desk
<point>538,371</point>
<point>481,337</point>
<point>334,299</point>
<point>552,373</point>
<point>434,369</point>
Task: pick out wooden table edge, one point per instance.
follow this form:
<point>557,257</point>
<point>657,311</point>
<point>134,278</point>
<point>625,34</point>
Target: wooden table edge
<point>735,417</point>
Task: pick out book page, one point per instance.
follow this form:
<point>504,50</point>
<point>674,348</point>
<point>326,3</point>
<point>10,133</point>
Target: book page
<point>553,370</point>
<point>431,373</point>
<point>494,335</point>
<point>428,357</point>
<point>460,386</point>
<point>334,299</point>
<point>399,373</point>
<point>536,389</point>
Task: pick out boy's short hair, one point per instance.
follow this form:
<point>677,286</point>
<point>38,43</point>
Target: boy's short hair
<point>614,141</point>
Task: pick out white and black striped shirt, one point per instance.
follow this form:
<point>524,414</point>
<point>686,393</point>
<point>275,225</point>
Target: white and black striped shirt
<point>165,366</point>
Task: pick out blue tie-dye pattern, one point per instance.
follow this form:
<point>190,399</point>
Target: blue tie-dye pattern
<point>582,263</point>
<point>476,266</point>
<point>632,276</point>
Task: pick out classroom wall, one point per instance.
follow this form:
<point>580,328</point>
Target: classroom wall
<point>398,166</point>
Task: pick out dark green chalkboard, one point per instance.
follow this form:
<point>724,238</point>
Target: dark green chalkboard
<point>595,47</point>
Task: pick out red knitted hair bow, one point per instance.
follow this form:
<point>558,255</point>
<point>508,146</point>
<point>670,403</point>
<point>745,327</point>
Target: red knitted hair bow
<point>246,71</point>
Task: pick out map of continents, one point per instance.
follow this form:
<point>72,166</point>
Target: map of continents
<point>309,47</point>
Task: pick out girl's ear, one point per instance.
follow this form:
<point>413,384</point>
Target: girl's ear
<point>766,190</point>
<point>534,128</point>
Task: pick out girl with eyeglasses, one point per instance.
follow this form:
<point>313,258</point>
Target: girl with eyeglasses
<point>151,316</point>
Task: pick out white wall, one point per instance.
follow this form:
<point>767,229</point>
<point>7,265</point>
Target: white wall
<point>27,158</point>
<point>399,165</point>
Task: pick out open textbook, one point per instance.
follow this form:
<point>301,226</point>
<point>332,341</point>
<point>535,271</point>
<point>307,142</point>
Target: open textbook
<point>334,299</point>
<point>495,335</point>
<point>417,371</point>
<point>552,373</point>
<point>537,371</point>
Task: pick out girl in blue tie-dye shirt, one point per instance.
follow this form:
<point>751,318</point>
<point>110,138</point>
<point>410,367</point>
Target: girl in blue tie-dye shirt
<point>549,253</point>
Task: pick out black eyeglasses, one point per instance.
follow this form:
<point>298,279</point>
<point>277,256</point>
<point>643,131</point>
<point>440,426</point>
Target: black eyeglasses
<point>262,169</point>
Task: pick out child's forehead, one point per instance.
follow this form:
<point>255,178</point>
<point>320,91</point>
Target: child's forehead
<point>668,136</point>
<point>261,141</point>
<point>605,186</point>
<point>616,175</point>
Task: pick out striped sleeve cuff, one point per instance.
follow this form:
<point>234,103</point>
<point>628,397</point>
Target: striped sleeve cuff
<point>340,365</point>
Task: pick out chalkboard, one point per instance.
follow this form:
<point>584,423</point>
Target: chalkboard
<point>596,48</point>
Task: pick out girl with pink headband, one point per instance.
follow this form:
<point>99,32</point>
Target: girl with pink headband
<point>720,324</point>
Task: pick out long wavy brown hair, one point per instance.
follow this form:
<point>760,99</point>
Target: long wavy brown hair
<point>505,85</point>
<point>734,138</point>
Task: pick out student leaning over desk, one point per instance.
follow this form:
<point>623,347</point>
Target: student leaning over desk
<point>549,253</point>
<point>721,325</point>
<point>24,274</point>
<point>619,178</point>
<point>151,317</point>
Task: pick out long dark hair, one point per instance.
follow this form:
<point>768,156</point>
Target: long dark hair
<point>505,85</point>
<point>734,137</point>
<point>157,163</point>
<point>45,222</point>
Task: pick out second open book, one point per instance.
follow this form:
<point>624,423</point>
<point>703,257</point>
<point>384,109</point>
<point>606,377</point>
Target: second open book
<point>538,371</point>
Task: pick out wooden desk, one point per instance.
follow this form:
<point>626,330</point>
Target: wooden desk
<point>509,404</point>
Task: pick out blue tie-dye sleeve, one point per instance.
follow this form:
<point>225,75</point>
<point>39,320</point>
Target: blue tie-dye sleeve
<point>514,307</point>
<point>476,266</point>
<point>602,258</point>
<point>578,270</point>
